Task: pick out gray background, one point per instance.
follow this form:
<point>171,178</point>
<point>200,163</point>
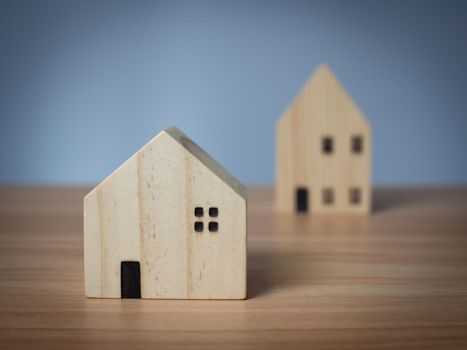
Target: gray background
<point>84,84</point>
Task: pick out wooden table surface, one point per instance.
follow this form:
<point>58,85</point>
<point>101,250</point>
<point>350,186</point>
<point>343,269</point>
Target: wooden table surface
<point>396,279</point>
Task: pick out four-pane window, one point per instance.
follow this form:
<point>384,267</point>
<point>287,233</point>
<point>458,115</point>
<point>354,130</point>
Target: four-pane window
<point>213,226</point>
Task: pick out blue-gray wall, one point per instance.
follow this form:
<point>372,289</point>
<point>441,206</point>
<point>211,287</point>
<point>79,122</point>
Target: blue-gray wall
<point>84,84</point>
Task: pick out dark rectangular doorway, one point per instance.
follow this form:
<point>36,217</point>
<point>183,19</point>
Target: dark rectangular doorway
<point>130,275</point>
<point>301,200</point>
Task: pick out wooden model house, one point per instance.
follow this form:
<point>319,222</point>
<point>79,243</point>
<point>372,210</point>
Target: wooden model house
<point>323,151</point>
<point>170,223</point>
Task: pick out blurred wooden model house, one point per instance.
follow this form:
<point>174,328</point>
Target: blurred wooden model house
<point>323,151</point>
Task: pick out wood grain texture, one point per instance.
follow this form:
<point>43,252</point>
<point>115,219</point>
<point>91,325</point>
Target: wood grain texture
<point>323,109</point>
<point>396,279</point>
<point>145,212</point>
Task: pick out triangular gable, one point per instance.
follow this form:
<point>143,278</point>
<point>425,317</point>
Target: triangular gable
<point>324,88</point>
<point>190,146</point>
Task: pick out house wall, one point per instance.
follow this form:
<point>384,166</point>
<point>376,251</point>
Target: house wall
<point>111,230</point>
<point>165,184</point>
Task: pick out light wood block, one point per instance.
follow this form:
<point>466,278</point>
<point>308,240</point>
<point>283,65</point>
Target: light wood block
<point>323,151</point>
<point>145,213</point>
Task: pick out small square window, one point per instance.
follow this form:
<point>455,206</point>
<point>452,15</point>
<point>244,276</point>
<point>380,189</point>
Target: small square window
<point>355,195</point>
<point>328,196</point>
<point>199,212</point>
<point>327,145</point>
<point>357,144</point>
<point>213,212</point>
<point>199,226</point>
<point>213,226</point>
